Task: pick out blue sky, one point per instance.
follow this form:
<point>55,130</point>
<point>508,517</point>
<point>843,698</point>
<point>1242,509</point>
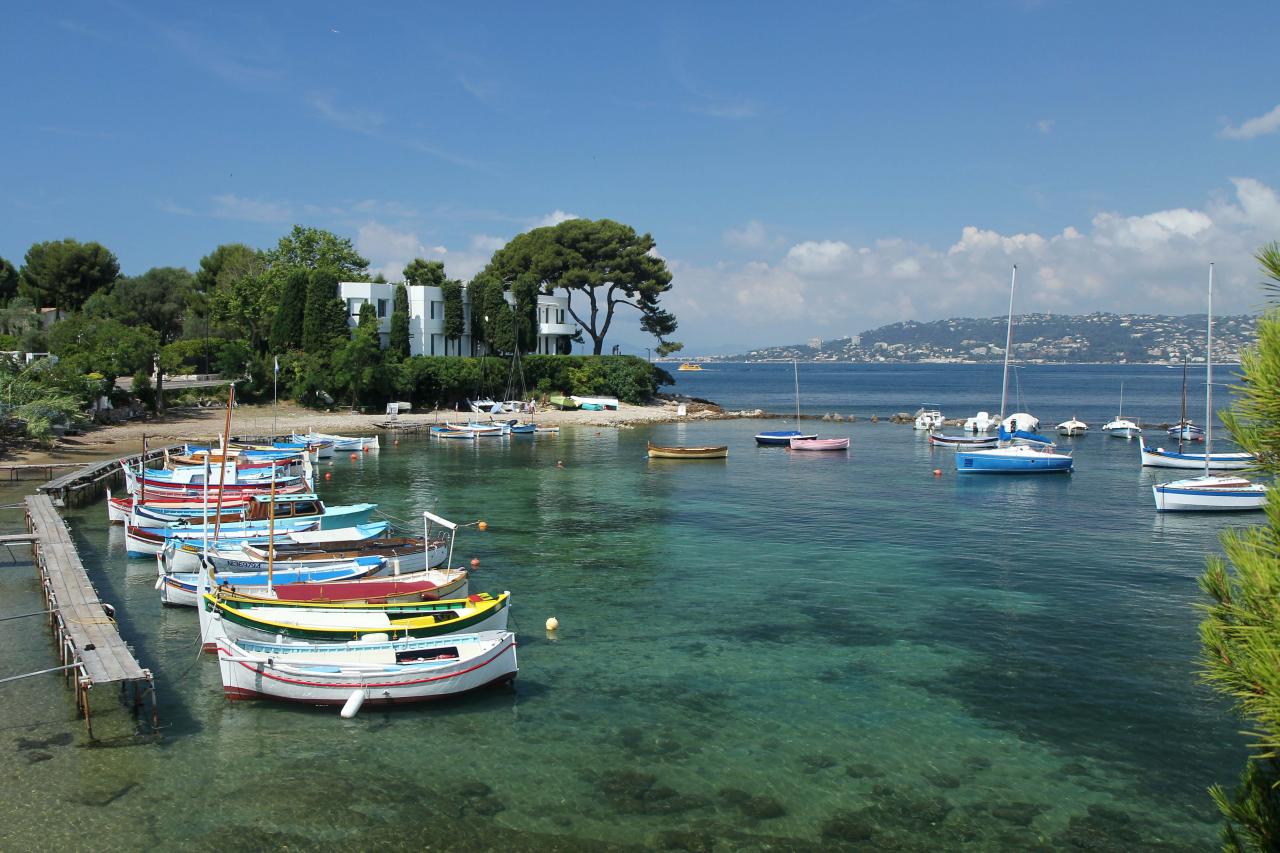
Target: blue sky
<point>806,170</point>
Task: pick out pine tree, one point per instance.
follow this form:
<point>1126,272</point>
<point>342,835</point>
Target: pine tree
<point>1241,635</point>
<point>286,330</point>
<point>399,343</point>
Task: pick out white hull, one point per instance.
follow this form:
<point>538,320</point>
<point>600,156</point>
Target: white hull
<point>330,675</point>
<point>1210,494</point>
<point>1195,461</point>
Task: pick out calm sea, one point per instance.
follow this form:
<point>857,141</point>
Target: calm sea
<point>797,651</point>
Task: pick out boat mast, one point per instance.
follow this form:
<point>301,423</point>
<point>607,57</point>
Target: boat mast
<point>1208,378</point>
<point>1182,422</point>
<point>1008,342</point>
<point>796,369</point>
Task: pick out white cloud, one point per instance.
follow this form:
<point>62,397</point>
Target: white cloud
<point>232,206</point>
<point>487,243</point>
<point>1260,126</point>
<point>555,217</point>
<point>1045,126</point>
<point>753,235</point>
<point>325,106</point>
<point>1152,262</point>
<point>819,257</point>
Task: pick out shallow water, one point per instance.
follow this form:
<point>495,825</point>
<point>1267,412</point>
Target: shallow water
<point>802,650</point>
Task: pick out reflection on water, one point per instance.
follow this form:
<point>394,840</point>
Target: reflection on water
<point>800,649</point>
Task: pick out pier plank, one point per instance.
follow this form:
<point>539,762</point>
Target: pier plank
<point>98,644</point>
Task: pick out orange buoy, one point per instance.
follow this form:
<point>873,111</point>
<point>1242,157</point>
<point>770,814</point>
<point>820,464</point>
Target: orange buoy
<point>475,562</point>
<point>353,456</point>
<point>483,525</point>
<point>553,623</point>
<point>328,475</point>
<point>937,472</point>
<point>396,442</point>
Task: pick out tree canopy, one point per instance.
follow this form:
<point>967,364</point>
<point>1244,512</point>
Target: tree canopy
<point>63,274</point>
<point>424,273</point>
<point>286,329</point>
<point>313,249</point>
<point>158,300</point>
<point>325,319</point>
<point>603,263</point>
<point>8,280</point>
<point>103,345</point>
<point>1241,634</point>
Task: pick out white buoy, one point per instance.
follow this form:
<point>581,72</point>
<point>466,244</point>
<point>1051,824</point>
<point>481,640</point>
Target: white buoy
<point>553,623</point>
<point>352,707</point>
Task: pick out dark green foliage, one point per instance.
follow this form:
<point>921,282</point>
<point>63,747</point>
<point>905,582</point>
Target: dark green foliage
<point>314,249</point>
<point>324,322</point>
<point>286,330</point>
<point>237,295</point>
<point>62,274</point>
<point>8,281</point>
<point>398,347</point>
<point>424,273</point>
<point>18,316</point>
<point>605,264</point>
<point>144,390</point>
<point>357,362</point>
<point>368,320</point>
<point>439,380</point>
<point>1240,637</point>
<point>454,313</point>
<point>158,300</point>
<point>105,346</point>
<point>488,324</point>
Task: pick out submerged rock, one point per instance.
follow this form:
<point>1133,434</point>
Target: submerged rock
<point>847,827</point>
<point>1018,814</point>
<point>817,761</point>
<point>762,807</point>
<point>863,771</point>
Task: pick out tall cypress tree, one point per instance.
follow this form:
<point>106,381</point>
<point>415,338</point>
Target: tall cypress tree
<point>454,314</point>
<point>325,318</point>
<point>398,346</point>
<point>286,330</point>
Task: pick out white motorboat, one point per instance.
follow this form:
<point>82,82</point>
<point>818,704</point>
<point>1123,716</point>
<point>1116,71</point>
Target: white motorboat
<point>980,423</point>
<point>1073,427</point>
<point>929,418</point>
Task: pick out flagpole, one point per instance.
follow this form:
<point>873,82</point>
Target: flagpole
<point>275,393</point>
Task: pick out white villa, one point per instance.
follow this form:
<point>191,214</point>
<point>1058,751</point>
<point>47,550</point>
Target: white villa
<point>426,319</point>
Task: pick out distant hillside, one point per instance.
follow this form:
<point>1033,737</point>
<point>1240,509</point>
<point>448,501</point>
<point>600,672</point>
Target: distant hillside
<point>1114,338</point>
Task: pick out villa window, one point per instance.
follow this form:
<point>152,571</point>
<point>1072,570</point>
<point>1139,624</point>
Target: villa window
<point>382,308</point>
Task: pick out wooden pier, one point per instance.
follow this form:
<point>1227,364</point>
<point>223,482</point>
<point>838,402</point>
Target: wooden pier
<point>88,480</point>
<point>95,658</point>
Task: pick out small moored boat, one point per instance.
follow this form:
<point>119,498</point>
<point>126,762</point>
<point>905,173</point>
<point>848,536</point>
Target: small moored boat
<point>819,444</point>
<point>718,451</point>
<point>1073,427</point>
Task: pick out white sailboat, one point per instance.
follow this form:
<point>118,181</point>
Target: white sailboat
<point>1208,493</point>
<point>1073,427</point>
<point>1011,458</point>
<point>1122,427</point>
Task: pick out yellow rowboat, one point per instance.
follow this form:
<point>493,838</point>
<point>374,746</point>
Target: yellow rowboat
<point>689,366</point>
<point>718,451</point>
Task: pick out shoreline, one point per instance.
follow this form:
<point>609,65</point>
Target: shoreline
<point>197,424</point>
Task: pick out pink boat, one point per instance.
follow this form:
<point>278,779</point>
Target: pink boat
<point>819,444</point>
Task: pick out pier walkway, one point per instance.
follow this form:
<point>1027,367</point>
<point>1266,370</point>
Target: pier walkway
<point>90,647</point>
<point>87,479</point>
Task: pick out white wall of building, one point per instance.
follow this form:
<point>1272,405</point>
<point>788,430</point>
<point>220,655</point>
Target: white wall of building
<point>426,317</point>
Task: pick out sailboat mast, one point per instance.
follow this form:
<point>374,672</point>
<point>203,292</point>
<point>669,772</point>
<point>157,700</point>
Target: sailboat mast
<point>1008,343</point>
<point>1208,378</point>
<point>1182,419</point>
<point>795,367</point>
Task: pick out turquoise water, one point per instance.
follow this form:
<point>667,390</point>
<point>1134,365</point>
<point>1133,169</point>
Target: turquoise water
<point>803,651</point>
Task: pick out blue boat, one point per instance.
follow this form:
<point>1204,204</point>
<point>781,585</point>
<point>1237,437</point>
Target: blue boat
<point>1015,459</point>
<point>1019,451</point>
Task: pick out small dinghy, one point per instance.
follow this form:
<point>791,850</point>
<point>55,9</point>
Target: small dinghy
<point>819,444</point>
<point>718,451</point>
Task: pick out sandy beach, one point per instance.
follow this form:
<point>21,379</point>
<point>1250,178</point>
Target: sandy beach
<point>197,424</point>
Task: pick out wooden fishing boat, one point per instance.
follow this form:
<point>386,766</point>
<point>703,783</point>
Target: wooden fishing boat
<point>718,451</point>
<point>381,673</point>
<point>264,620</point>
<point>181,588</point>
<point>819,444</point>
<point>562,402</point>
